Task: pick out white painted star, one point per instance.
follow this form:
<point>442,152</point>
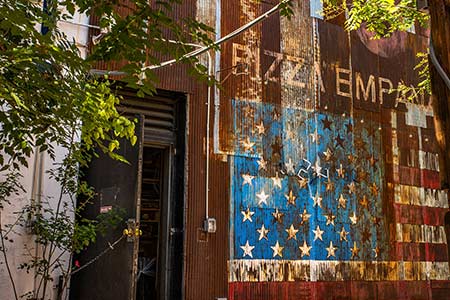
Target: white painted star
<point>289,134</point>
<point>262,197</point>
<point>276,181</point>
<point>290,167</point>
<point>354,218</point>
<point>327,154</point>
<point>305,249</point>
<point>278,216</point>
<point>317,168</point>
<point>340,171</point>
<point>343,234</point>
<point>277,250</point>
<point>263,233</point>
<point>317,200</point>
<point>262,164</point>
<point>318,233</point>
<point>247,249</point>
<point>331,250</point>
<point>247,179</point>
<point>330,218</point>
<point>303,182</point>
<point>290,198</point>
<point>292,232</point>
<point>247,144</point>
<point>354,250</point>
<point>376,251</point>
<point>342,202</point>
<point>260,127</point>
<point>351,188</point>
<point>247,215</point>
<point>304,216</point>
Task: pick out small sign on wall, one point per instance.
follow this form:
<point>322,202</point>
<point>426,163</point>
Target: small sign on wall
<point>105,209</point>
<point>316,9</point>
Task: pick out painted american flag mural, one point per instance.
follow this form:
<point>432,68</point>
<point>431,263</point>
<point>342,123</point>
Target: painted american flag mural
<point>320,198</point>
<point>334,180</point>
<point>302,203</point>
<point>309,194</point>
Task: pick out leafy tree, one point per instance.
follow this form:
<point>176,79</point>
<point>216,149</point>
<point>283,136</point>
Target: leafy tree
<point>382,17</point>
<point>50,102</point>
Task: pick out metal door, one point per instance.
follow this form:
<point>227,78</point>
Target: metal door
<point>117,184</point>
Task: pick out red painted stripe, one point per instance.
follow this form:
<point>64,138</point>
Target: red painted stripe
<point>415,214</point>
<point>421,252</point>
<point>344,290</point>
<point>430,179</point>
<point>418,177</point>
<point>409,176</point>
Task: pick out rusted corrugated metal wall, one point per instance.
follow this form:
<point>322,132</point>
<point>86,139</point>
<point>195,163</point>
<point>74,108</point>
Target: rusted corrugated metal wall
<point>342,173</point>
<point>205,270</point>
<point>334,178</point>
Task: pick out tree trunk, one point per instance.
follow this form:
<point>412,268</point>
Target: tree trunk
<point>440,33</point>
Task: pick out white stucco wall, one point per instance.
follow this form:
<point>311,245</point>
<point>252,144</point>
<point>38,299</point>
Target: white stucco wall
<point>16,251</point>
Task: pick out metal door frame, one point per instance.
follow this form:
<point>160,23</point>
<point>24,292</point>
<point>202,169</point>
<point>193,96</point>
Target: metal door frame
<point>134,269</point>
<point>167,229</point>
<point>164,224</point>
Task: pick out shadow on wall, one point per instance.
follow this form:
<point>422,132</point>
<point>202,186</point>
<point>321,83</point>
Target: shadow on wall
<point>447,231</point>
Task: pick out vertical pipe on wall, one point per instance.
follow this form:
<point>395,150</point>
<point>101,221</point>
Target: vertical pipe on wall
<point>208,123</point>
<point>36,193</point>
<point>217,78</point>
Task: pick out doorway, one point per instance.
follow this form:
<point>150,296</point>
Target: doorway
<point>153,200</point>
<point>150,190</point>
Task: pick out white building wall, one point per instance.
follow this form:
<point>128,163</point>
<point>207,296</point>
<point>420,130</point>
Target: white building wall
<point>16,250</point>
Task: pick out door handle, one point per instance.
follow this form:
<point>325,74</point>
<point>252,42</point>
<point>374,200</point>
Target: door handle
<point>132,231</point>
<point>174,230</point>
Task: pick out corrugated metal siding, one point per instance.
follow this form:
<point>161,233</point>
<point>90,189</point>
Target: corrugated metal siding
<point>398,136</point>
<point>205,261</point>
<point>278,64</point>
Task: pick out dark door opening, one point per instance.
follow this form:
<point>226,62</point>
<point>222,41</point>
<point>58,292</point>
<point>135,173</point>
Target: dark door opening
<point>150,189</point>
<point>152,208</point>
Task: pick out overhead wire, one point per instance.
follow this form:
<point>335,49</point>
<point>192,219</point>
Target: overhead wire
<point>437,65</point>
<point>204,49</point>
<point>220,41</point>
<point>91,261</point>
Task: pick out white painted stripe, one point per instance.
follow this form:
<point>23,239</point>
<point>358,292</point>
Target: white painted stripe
<point>267,270</point>
<point>415,233</point>
<point>419,134</point>
<point>413,195</point>
<point>395,157</point>
<point>394,119</point>
<point>428,161</point>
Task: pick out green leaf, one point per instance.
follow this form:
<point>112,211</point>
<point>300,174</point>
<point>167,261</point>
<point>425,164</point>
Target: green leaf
<point>133,140</point>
